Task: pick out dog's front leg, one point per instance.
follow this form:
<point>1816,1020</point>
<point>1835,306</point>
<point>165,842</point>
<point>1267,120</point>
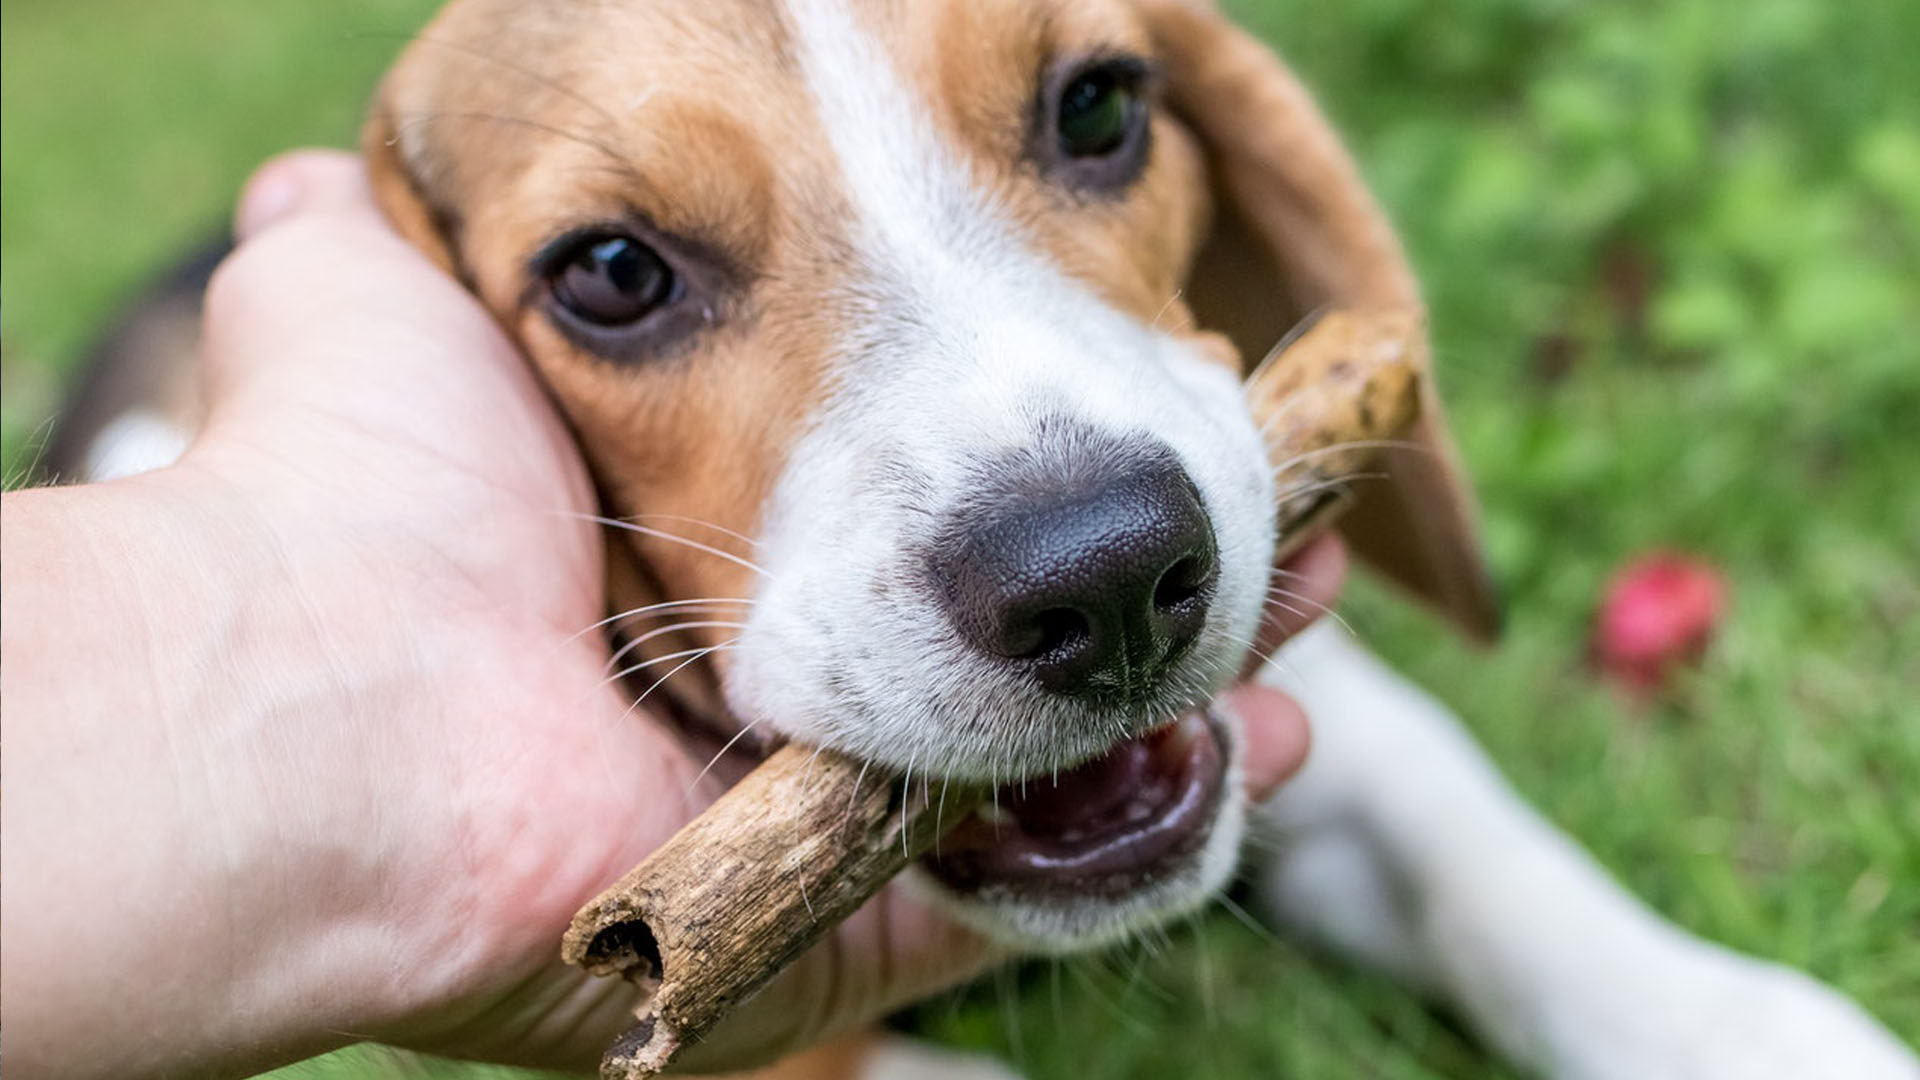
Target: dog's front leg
<point>1401,845</point>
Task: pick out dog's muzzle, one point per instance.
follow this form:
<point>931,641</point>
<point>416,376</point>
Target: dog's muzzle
<point>1090,569</point>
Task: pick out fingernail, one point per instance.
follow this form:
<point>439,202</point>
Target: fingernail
<point>270,198</point>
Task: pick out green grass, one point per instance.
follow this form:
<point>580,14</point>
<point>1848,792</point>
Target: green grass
<point>1673,252</point>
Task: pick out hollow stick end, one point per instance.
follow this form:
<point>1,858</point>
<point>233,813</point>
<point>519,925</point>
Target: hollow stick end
<point>643,1050</point>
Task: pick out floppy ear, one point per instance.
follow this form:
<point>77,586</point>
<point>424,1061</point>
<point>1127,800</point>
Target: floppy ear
<point>398,187</point>
<point>1297,231</point>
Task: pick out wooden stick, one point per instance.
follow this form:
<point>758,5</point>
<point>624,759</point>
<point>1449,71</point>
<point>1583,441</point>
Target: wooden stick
<point>1328,399</point>
<point>739,893</point>
<point>807,837</point>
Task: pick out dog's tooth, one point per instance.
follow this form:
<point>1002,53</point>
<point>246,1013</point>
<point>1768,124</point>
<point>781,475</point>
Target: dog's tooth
<point>1190,727</point>
<point>996,815</point>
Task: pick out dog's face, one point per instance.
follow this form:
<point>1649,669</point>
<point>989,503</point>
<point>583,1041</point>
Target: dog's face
<point>880,306</point>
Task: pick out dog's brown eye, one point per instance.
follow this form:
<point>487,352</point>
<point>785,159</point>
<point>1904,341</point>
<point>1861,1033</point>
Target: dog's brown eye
<point>1092,133</point>
<point>1096,113</point>
<point>612,280</point>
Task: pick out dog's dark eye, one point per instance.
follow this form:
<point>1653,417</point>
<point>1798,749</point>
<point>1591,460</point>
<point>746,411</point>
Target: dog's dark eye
<point>612,280</point>
<point>1096,114</point>
<point>1092,134</point>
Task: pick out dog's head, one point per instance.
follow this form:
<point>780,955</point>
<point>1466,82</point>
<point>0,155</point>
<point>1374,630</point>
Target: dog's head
<point>903,337</point>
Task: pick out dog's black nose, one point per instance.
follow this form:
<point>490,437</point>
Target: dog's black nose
<point>1095,583</point>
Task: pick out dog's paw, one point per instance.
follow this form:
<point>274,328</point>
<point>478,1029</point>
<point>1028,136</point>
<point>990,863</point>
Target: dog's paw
<point>1717,1015</point>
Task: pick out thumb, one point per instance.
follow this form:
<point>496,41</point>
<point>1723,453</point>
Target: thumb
<point>323,303</point>
<point>302,181</point>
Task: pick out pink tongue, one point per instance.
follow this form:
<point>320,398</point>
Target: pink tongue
<point>1147,801</point>
<point>1089,793</point>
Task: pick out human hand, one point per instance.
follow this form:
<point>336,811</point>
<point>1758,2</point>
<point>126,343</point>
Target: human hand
<point>352,765</point>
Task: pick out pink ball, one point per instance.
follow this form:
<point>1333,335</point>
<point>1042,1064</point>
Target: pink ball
<point>1660,612</point>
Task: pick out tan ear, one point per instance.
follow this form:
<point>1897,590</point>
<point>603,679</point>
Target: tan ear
<point>399,188</point>
<point>1297,231</point>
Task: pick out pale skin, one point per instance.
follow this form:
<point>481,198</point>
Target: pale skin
<point>304,744</point>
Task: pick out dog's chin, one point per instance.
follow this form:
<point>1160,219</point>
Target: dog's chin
<point>1144,833</point>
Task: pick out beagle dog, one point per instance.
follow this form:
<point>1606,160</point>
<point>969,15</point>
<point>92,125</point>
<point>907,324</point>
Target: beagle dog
<point>904,341</point>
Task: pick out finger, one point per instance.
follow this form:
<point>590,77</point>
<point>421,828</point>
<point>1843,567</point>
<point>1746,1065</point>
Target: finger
<point>318,268</point>
<point>323,304</point>
<point>1274,735</point>
<point>301,181</point>
<point>1301,591</point>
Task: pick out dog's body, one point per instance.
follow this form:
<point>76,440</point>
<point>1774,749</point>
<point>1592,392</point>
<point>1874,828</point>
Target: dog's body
<point>903,298</point>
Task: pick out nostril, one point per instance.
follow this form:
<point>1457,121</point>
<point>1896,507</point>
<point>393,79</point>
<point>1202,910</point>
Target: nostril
<point>1182,583</point>
<point>1052,631</point>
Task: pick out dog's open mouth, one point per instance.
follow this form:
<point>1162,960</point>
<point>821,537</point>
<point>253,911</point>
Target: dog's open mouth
<point>1101,828</point>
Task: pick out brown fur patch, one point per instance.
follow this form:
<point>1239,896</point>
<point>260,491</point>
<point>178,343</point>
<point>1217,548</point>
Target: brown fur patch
<point>534,122</point>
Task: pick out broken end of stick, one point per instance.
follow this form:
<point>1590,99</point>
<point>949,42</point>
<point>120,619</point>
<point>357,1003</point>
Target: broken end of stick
<point>607,941</point>
<point>1334,394</point>
<point>744,889</point>
<point>610,938</point>
<point>1359,359</point>
<point>643,1050</point>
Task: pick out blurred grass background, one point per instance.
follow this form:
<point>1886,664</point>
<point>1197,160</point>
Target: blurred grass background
<point>1673,253</point>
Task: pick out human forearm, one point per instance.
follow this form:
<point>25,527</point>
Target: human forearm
<point>124,848</point>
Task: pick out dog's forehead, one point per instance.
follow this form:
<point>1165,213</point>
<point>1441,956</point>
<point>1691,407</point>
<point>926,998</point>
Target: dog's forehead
<point>934,111</point>
<point>727,120</point>
<point>522,118</point>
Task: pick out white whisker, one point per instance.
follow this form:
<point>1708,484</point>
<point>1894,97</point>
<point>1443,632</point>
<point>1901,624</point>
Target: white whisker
<point>671,628</point>
<point>667,605</point>
<point>939,816</point>
<point>1273,601</point>
<point>715,759</point>
<point>660,534</point>
<point>1266,935</point>
<point>1171,300</point>
<point>1293,334</point>
<point>1204,960</point>
<point>1284,667</point>
<point>1333,483</point>
<point>1274,592</point>
<point>742,537</point>
<point>906,802</point>
<point>697,654</point>
<point>853,799</point>
<point>645,664</point>
<point>1351,444</point>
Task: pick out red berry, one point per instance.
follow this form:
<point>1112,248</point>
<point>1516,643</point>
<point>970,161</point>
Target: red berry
<point>1660,611</point>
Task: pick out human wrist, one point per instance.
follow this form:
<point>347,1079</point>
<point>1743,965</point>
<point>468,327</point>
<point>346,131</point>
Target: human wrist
<point>143,680</point>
